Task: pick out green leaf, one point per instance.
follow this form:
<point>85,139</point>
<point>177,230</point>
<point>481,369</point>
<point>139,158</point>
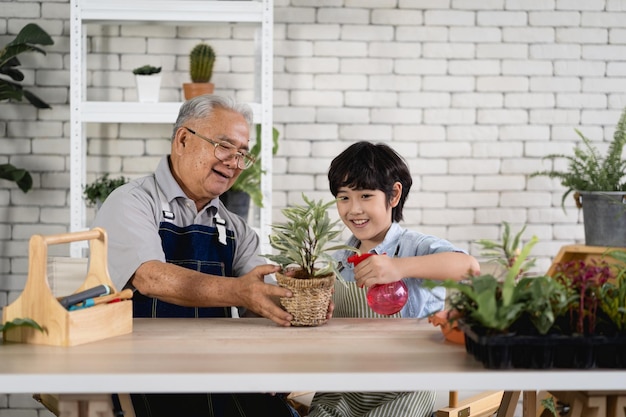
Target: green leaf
<point>20,322</point>
<point>20,176</point>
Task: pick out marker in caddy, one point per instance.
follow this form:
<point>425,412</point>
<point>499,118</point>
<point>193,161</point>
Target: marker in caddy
<point>126,294</point>
<point>79,297</point>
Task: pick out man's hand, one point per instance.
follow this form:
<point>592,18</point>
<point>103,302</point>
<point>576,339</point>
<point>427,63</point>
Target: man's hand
<point>262,298</point>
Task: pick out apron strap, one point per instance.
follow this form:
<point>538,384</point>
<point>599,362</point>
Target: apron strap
<point>168,215</point>
<point>220,225</point>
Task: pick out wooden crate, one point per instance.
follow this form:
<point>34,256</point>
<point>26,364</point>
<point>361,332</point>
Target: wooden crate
<point>63,327</point>
<point>581,252</point>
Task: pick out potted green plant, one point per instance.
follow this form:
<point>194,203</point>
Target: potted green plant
<point>612,296</point>
<point>599,186</point>
<point>493,304</point>
<point>304,251</point>
<point>11,89</point>
<point>96,192</point>
<point>148,82</point>
<point>247,186</point>
<point>201,61</point>
<point>569,319</point>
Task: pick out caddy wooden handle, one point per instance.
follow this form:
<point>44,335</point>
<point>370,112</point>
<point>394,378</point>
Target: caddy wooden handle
<point>95,233</point>
<point>38,254</point>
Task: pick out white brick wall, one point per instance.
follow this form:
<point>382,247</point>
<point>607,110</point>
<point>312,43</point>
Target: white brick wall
<point>473,93</point>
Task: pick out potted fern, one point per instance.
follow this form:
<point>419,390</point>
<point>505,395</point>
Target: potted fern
<point>599,186</point>
<point>304,252</point>
<point>148,81</point>
<point>201,61</point>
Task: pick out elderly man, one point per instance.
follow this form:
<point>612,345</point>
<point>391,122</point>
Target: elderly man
<point>185,255</point>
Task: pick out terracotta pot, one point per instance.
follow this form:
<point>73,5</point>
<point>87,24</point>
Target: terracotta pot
<point>450,330</point>
<point>311,298</point>
<point>192,90</point>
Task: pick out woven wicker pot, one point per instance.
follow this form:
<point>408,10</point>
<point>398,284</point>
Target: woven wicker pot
<point>311,298</point>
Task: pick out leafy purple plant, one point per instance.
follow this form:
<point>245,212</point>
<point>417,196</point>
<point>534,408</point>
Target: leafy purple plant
<point>584,280</point>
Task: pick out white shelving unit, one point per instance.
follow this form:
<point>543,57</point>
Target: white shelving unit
<point>173,12</point>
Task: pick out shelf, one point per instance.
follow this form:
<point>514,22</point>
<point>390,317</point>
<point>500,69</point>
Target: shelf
<point>198,11</point>
<point>135,112</point>
<point>162,12</point>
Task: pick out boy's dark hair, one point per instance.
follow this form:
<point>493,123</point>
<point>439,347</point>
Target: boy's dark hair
<point>368,166</point>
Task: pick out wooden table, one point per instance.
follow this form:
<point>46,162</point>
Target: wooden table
<point>255,355</point>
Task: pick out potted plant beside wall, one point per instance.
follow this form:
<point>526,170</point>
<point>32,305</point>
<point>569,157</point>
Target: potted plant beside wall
<point>201,61</point>
<point>96,192</point>
<point>304,247</point>
<point>148,82</point>
<point>27,40</point>
<point>247,186</point>
<point>599,186</point>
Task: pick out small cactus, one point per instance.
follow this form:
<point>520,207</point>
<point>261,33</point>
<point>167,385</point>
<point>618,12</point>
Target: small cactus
<point>201,60</point>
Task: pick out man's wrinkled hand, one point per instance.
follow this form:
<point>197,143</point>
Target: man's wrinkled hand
<point>263,299</point>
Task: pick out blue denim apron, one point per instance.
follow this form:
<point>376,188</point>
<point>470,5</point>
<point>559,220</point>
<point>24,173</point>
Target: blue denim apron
<point>194,247</point>
<point>209,250</point>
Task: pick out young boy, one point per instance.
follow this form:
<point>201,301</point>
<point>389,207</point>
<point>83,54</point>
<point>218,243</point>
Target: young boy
<point>371,183</point>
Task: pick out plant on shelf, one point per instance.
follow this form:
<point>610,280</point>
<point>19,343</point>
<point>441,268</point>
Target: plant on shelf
<point>304,251</point>
<point>201,61</point>
<point>96,192</point>
<point>599,186</point>
<point>148,82</point>
<point>147,70</point>
<point>11,89</point>
<point>248,183</point>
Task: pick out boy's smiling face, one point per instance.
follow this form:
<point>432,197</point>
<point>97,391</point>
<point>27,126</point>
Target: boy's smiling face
<point>367,213</point>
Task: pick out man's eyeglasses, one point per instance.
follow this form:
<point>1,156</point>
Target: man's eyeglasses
<point>225,151</point>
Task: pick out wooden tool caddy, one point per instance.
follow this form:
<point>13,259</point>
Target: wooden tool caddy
<point>63,327</point>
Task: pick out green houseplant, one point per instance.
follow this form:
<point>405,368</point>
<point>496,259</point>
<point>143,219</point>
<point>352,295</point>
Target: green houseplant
<point>96,192</point>
<point>613,293</point>
<point>304,251</point>
<point>11,88</point>
<point>247,186</point>
<point>148,82</point>
<point>147,70</point>
<point>599,186</point>
<point>496,304</point>
<point>201,61</point>
<point>563,320</point>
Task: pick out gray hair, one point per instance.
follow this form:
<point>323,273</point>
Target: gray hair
<point>202,106</point>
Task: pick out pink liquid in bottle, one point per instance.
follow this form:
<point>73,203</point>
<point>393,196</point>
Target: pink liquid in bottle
<point>384,299</point>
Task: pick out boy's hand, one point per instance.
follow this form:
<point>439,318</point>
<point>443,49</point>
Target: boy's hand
<point>379,269</point>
